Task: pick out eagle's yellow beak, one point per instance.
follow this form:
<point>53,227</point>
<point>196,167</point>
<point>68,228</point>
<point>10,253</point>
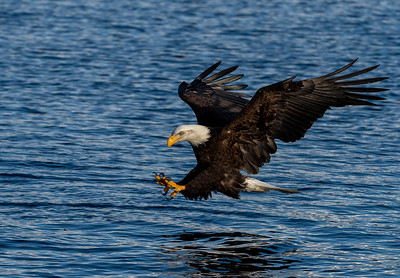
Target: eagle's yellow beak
<point>172,140</point>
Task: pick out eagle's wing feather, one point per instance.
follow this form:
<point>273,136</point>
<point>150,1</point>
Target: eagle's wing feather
<point>211,98</point>
<point>286,110</point>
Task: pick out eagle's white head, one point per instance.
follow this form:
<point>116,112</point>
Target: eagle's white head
<point>194,134</point>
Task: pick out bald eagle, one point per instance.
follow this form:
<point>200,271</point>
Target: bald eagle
<point>234,134</point>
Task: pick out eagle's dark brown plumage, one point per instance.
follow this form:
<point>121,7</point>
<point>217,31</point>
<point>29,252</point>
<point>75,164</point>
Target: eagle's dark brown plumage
<point>237,134</point>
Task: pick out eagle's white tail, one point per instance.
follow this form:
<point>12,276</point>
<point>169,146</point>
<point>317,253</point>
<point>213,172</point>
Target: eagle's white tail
<point>253,185</point>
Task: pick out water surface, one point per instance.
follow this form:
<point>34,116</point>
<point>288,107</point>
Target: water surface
<point>89,95</point>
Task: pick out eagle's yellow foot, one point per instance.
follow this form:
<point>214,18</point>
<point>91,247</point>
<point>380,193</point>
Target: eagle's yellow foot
<point>161,179</point>
<point>177,188</point>
<point>168,183</point>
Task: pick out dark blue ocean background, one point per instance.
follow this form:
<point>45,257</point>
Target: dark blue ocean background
<point>88,98</point>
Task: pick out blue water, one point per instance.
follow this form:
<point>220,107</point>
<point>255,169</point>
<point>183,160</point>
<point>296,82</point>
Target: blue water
<point>88,96</point>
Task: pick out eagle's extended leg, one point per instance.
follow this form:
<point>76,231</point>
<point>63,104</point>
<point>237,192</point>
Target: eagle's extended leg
<point>168,183</point>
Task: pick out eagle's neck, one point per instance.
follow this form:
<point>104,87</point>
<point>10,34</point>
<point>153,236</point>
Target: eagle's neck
<point>199,135</point>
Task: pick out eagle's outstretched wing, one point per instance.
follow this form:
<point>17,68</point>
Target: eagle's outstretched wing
<point>286,110</point>
<point>211,98</point>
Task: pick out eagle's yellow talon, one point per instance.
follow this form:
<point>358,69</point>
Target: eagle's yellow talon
<point>166,189</point>
<point>167,182</point>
